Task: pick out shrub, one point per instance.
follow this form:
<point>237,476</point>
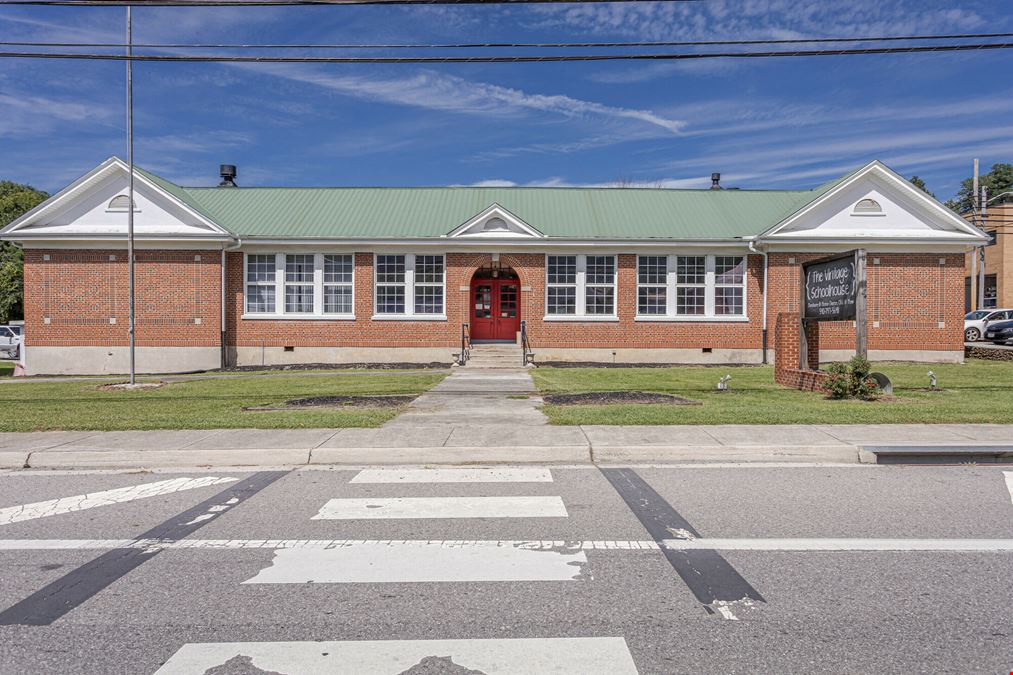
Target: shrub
<point>852,380</point>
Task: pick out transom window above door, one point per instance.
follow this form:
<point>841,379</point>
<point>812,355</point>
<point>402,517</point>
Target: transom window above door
<point>299,285</point>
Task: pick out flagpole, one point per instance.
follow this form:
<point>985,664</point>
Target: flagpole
<point>130,189</point>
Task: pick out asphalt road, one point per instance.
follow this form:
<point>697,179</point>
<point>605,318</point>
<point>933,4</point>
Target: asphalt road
<point>571,570</point>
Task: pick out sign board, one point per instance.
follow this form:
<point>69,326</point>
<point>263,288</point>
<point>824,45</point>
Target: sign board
<point>831,288</point>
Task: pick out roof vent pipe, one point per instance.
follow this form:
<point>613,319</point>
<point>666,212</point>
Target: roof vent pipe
<point>715,181</point>
<point>228,172</point>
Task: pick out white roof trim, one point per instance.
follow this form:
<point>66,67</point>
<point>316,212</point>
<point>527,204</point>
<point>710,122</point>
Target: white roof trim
<point>494,211</point>
<point>68,193</point>
<point>972,233</point>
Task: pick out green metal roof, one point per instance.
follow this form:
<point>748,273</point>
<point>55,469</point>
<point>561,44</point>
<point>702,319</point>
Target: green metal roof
<point>570,213</point>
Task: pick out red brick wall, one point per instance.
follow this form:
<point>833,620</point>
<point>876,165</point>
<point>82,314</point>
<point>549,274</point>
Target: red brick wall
<point>909,294</point>
<point>80,291</point>
<point>787,370</point>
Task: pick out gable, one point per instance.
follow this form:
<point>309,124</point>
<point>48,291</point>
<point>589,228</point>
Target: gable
<point>95,206</point>
<point>875,203</point>
<point>495,222</point>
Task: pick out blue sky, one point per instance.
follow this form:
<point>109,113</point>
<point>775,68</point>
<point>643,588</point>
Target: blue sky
<point>771,123</point>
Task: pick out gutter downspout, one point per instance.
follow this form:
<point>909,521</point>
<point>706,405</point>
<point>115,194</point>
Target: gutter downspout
<point>234,247</point>
<point>752,247</point>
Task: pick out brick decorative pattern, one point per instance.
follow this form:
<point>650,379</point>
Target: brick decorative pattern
<point>916,301</point>
<point>79,298</point>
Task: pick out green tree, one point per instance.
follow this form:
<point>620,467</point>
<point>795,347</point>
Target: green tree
<point>920,184</point>
<point>15,199</point>
<point>998,180</point>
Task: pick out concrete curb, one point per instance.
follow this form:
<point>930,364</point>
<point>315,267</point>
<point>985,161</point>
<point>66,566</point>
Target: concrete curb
<point>836,454</point>
<point>148,459</point>
<point>373,456</point>
<point>558,454</point>
<point>937,454</point>
<point>13,459</point>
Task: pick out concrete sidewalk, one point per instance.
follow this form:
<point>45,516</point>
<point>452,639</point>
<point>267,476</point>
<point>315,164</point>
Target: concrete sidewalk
<point>447,443</point>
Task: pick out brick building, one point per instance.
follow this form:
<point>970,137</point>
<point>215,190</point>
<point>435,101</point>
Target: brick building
<point>996,258</point>
<point>250,276</point>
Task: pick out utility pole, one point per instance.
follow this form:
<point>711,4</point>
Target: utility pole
<point>975,286</point>
<point>983,209</point>
<point>130,193</point>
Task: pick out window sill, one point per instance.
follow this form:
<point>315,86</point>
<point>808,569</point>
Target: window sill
<point>405,317</point>
<point>298,317</point>
<point>580,319</point>
<point>693,319</point>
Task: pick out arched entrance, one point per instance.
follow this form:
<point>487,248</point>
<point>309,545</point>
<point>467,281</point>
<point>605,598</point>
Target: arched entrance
<point>495,304</point>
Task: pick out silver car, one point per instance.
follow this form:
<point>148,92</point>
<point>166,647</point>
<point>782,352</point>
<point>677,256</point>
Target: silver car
<point>10,341</point>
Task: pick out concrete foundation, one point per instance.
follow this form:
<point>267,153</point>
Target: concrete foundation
<point>717,356</point>
<point>271,356</point>
<point>917,355</point>
<point>116,360</point>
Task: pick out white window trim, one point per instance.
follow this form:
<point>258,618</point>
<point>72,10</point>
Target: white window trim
<point>709,291</point>
<point>279,290</point>
<point>409,286</point>
<point>581,286</point>
<point>120,209</point>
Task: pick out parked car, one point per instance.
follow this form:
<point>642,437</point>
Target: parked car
<point>10,340</point>
<point>977,321</point>
<point>999,332</point>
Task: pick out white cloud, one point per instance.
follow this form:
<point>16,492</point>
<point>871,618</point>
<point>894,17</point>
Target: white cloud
<point>437,91</point>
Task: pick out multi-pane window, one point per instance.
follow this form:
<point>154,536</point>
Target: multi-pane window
<point>338,270</point>
<point>429,284</point>
<point>652,284</point>
<point>561,279</point>
<point>299,284</point>
<point>390,284</point>
<point>260,284</point>
<point>600,285</point>
<point>580,285</point>
<point>729,282</point>
<point>410,285</point>
<point>689,286</point>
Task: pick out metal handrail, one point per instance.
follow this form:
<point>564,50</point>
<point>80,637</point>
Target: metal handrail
<point>465,343</point>
<point>525,346</point>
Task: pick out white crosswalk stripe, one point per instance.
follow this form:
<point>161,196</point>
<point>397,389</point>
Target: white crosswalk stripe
<point>380,508</point>
<point>562,656</point>
<point>468,475</point>
<point>413,562</point>
<point>55,507</point>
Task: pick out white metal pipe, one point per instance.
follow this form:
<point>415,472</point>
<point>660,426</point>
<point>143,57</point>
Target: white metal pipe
<point>234,247</point>
<point>752,247</point>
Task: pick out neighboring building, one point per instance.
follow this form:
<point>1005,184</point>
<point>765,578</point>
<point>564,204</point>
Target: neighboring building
<point>998,225</point>
<point>254,276</point>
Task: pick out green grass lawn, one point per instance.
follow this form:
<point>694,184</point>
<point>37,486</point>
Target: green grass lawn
<point>6,368</point>
<point>976,391</point>
<point>208,403</point>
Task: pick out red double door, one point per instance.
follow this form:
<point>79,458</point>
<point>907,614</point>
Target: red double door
<point>495,309</point>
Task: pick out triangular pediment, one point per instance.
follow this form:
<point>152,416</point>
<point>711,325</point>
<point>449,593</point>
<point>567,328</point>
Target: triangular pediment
<point>96,205</point>
<point>875,203</point>
<point>495,223</point>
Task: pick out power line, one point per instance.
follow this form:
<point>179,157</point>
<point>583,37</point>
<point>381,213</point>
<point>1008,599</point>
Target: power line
<point>275,3</point>
<point>542,58</point>
<point>488,45</point>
